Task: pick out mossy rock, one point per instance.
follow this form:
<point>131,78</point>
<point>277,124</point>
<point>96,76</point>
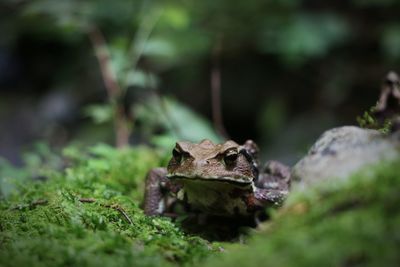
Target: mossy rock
<point>351,222</point>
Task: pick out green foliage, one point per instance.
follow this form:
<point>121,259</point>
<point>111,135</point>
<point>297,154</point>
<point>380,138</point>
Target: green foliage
<point>368,120</point>
<point>350,222</point>
<point>89,215</point>
<point>302,37</point>
<point>179,122</point>
<point>99,113</point>
<point>173,32</point>
<point>304,48</point>
<point>39,162</point>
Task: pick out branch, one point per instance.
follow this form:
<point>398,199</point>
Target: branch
<point>113,89</point>
<point>216,90</point>
<point>103,57</point>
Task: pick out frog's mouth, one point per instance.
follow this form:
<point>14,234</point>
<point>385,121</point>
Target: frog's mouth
<point>230,180</point>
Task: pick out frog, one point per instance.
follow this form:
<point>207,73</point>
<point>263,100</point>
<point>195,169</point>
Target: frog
<point>223,180</point>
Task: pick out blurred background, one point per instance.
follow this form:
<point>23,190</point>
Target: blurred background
<point>150,72</point>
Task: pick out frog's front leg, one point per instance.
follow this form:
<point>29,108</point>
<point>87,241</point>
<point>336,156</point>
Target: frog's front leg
<point>158,189</point>
<point>273,184</point>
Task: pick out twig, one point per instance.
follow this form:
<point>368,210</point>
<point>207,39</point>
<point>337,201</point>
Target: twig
<point>216,90</point>
<point>38,202</point>
<point>31,205</point>
<point>112,206</point>
<point>120,210</point>
<point>113,89</point>
<point>103,56</point>
<point>87,200</point>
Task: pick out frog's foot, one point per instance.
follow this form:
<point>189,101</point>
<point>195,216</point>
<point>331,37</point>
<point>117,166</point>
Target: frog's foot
<point>272,185</point>
<point>274,176</point>
<point>251,148</point>
<point>153,197</point>
<point>158,189</point>
<point>269,197</point>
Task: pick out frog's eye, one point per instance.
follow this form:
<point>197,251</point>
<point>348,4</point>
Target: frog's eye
<point>230,157</point>
<point>177,154</point>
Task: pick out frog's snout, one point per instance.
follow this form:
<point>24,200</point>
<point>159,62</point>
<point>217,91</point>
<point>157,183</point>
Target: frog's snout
<point>201,163</point>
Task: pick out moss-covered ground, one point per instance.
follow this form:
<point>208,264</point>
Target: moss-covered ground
<point>88,214</point>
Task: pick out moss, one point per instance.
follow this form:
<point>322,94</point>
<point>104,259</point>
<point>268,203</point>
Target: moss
<point>349,223</point>
<point>369,121</point>
<point>89,215</point>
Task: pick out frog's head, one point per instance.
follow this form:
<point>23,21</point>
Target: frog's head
<point>227,162</point>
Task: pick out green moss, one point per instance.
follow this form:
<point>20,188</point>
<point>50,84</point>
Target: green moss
<point>348,223</point>
<point>89,215</point>
<point>369,121</point>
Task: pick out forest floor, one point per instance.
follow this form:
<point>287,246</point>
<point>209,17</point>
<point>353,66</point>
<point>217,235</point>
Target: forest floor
<point>88,214</point>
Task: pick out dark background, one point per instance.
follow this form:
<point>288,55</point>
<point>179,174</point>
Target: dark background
<point>289,70</point>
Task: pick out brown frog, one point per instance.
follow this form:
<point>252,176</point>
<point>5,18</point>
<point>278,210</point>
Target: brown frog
<point>217,180</point>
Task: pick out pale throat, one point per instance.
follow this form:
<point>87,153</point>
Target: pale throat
<point>216,197</point>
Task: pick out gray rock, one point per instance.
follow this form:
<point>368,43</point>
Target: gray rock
<point>341,151</point>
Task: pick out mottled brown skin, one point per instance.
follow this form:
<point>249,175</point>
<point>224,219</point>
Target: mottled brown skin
<point>215,179</point>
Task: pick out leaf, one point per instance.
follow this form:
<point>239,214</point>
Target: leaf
<point>158,47</point>
<point>190,125</point>
<point>99,113</point>
<point>302,36</point>
<point>178,121</point>
<point>141,79</point>
<point>391,41</point>
<point>176,17</point>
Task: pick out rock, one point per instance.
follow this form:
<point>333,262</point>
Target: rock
<point>341,151</point>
